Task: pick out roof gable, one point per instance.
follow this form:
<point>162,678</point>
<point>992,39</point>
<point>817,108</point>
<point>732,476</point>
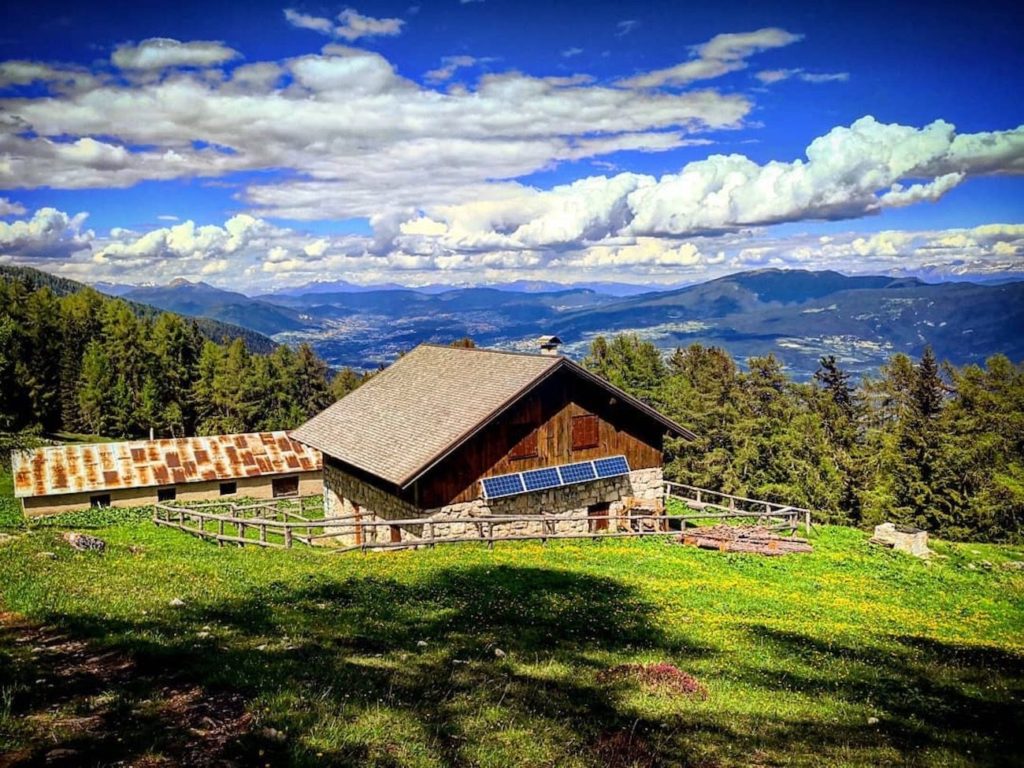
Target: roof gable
<point>407,418</point>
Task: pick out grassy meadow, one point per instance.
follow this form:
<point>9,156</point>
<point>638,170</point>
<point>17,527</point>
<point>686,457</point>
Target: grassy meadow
<point>850,656</point>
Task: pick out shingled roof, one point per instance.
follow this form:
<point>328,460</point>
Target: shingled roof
<point>406,418</point>
<point>141,463</point>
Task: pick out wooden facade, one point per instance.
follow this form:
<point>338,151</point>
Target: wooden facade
<point>564,419</point>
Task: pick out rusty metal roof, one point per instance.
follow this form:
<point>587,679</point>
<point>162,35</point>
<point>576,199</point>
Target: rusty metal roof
<point>141,463</point>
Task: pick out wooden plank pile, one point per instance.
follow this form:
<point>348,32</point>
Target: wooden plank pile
<point>756,539</point>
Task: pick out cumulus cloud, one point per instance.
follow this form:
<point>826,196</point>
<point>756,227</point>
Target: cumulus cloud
<point>360,139</point>
<point>771,76</point>
<point>351,25</point>
<point>718,56</point>
<point>849,172</point>
<point>49,234</point>
<point>159,53</point>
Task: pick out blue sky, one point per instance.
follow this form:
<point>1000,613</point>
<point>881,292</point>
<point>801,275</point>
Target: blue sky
<point>279,143</point>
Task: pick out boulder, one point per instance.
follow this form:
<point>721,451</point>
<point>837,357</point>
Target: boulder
<point>904,538</point>
<point>83,542</point>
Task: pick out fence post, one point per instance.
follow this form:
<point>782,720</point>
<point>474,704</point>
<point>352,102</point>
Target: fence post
<point>807,521</point>
<point>287,537</point>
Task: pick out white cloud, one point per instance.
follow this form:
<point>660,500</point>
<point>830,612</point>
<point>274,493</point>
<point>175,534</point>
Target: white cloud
<point>49,234</point>
<point>626,26</point>
<point>771,76</point>
<point>351,25</point>
<point>568,53</point>
<point>158,53</point>
<point>305,21</point>
<point>718,56</point>
<point>360,139</point>
<point>10,208</point>
<point>848,173</point>
<point>449,65</point>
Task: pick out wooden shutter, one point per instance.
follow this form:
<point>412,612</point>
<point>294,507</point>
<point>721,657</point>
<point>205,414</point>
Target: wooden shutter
<point>585,432</point>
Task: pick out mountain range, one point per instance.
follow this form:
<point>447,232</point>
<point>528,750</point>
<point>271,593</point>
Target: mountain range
<point>797,315</point>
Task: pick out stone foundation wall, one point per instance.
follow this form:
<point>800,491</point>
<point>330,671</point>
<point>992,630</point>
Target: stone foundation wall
<point>346,495</point>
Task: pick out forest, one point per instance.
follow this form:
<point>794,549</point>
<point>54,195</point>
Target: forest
<point>86,363</point>
<point>923,444</point>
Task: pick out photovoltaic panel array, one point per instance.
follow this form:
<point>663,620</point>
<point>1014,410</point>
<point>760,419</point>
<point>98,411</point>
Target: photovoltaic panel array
<point>541,479</point>
<point>553,477</point>
<point>577,473</point>
<point>503,485</point>
<point>613,467</point>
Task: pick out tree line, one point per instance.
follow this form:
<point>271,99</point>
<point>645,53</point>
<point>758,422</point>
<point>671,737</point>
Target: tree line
<point>922,443</point>
<point>86,363</point>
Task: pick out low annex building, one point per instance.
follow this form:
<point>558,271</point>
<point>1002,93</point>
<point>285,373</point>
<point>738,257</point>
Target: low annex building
<point>135,473</point>
<point>449,433</point>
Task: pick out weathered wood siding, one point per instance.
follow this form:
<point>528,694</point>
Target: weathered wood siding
<point>546,416</point>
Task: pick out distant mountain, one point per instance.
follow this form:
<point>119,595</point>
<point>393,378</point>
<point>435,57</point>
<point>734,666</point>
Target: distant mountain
<point>796,315</point>
<point>516,286</point>
<point>203,300</point>
<point>211,329</point>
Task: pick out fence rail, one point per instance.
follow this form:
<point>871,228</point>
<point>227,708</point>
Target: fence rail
<point>269,524</point>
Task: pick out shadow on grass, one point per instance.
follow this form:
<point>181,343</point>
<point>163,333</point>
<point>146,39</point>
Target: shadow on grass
<point>465,666</point>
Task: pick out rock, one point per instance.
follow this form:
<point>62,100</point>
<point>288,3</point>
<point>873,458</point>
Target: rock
<point>83,542</point>
<point>421,643</point>
<point>1014,565</point>
<point>272,734</point>
<point>913,541</point>
<point>6,537</point>
<point>872,721</point>
<point>500,653</point>
<point>61,755</point>
<point>177,602</point>
<point>46,555</point>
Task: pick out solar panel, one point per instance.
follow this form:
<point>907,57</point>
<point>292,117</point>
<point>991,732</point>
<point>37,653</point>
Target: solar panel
<point>577,473</point>
<point>612,466</point>
<point>502,485</point>
<point>539,479</point>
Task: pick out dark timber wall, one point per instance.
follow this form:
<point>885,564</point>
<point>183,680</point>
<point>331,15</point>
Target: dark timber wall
<point>538,432</point>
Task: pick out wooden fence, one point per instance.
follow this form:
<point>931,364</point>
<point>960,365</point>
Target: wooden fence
<point>268,524</point>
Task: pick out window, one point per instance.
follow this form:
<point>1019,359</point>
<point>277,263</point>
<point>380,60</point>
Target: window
<point>166,494</point>
<point>100,500</point>
<point>396,534</point>
<point>228,489</point>
<point>585,433</point>
<point>285,486</point>
<point>525,448</point>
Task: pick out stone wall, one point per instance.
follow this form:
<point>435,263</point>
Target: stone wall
<point>345,495</point>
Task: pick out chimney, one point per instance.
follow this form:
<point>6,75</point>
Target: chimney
<point>549,345</point>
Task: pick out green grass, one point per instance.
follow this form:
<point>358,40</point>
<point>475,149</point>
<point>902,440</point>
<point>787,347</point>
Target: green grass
<point>797,653</point>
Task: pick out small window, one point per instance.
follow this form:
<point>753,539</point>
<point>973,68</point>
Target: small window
<point>396,534</point>
<point>166,494</point>
<point>285,486</point>
<point>100,500</point>
<point>525,448</point>
<point>585,432</point>
<point>228,489</point>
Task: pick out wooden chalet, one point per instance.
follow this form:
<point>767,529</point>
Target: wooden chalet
<point>445,433</point>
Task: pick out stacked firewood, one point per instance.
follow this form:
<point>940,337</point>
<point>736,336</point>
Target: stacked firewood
<point>756,539</point>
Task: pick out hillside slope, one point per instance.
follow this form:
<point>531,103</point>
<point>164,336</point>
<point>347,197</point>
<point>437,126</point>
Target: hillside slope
<point>213,329</point>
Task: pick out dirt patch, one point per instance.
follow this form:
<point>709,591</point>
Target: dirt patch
<point>664,678</point>
<point>75,704</point>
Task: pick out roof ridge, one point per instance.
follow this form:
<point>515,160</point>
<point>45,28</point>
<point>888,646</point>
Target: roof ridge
<point>490,350</point>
